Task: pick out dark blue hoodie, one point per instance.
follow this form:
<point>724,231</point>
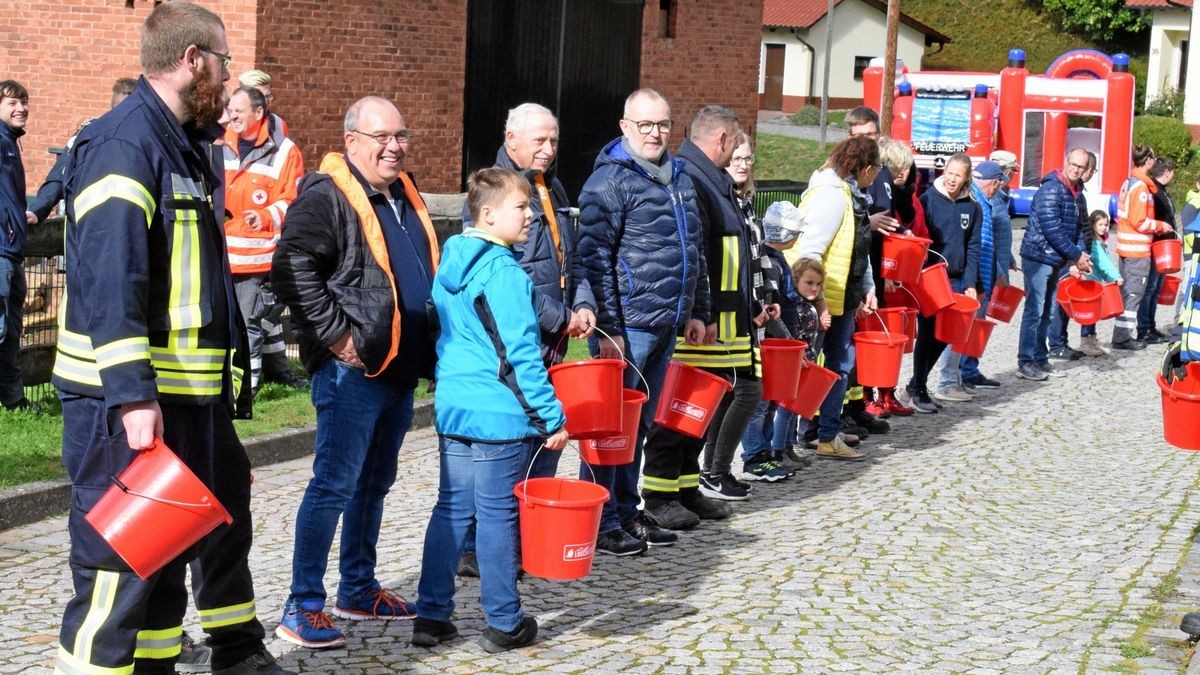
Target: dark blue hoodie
<point>955,228</point>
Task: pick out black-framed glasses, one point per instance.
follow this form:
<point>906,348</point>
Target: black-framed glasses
<point>402,137</point>
<point>225,59</point>
<point>1081,167</point>
<point>748,160</point>
<point>646,126</point>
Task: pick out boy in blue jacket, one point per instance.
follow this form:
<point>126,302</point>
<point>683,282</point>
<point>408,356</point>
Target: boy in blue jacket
<point>494,408</point>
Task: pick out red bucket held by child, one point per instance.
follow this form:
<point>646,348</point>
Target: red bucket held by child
<point>782,361</point>
<point>1111,303</point>
<point>1083,301</point>
<point>619,449</point>
<point>815,383</point>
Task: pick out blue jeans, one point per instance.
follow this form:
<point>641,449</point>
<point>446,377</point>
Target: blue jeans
<point>1041,283</point>
<point>785,431</point>
<point>361,423</point>
<point>476,486</point>
<point>12,304</point>
<point>545,465</point>
<point>839,357</point>
<point>759,432</point>
<point>1148,307</point>
<point>649,351</point>
<point>968,366</point>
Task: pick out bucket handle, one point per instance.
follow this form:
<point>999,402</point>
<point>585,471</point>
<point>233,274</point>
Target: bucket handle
<point>940,256</point>
<point>625,358</point>
<point>529,469</point>
<point>187,505</point>
<point>883,324</point>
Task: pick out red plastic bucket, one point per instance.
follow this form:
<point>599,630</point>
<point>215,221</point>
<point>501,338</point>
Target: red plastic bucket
<point>981,332</point>
<point>1004,303</point>
<point>953,324</point>
<point>1181,409</point>
<point>560,518</point>
<point>815,383</point>
<point>589,392</point>
<point>910,329</point>
<point>1170,288</point>
<point>782,361</point>
<point>1060,294</point>
<point>689,399</point>
<point>933,289</point>
<point>902,257</point>
<point>1083,301</point>
<point>1168,255</point>
<point>156,510</point>
<point>888,319</point>
<point>877,357</point>
<point>1111,303</point>
<point>618,449</point>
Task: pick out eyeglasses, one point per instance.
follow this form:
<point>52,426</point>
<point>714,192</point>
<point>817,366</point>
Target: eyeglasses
<point>225,59</point>
<point>748,160</point>
<point>646,126</point>
<point>402,137</point>
<point>1080,167</point>
<point>873,135</point>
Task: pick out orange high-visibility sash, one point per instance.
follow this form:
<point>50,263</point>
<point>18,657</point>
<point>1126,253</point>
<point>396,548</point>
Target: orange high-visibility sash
<point>548,207</point>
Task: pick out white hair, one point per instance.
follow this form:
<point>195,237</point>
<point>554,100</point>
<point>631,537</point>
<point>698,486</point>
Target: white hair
<point>518,117</point>
<point>254,78</point>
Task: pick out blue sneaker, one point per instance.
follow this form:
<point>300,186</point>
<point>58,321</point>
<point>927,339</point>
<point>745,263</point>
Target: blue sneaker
<point>377,604</point>
<point>306,624</point>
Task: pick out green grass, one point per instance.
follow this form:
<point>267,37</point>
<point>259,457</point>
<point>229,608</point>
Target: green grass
<point>786,158</point>
<point>31,442</point>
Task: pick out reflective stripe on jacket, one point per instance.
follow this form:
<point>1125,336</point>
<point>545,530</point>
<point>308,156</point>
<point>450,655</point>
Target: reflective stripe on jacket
<point>264,181</point>
<point>1136,224</point>
<point>148,311</point>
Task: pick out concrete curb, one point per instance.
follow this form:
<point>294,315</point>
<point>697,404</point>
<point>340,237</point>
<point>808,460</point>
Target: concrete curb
<point>32,502</point>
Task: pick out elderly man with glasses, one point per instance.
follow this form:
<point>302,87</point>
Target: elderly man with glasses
<point>640,238</point>
<point>1051,242</point>
<point>355,265</point>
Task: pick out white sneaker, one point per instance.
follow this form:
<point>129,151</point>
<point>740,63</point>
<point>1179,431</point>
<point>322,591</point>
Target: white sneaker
<point>953,394</point>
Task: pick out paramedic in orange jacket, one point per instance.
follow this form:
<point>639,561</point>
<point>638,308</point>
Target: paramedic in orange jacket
<point>1136,227</point>
<point>262,169</point>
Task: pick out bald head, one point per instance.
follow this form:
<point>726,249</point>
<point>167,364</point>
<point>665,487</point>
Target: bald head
<point>376,140</point>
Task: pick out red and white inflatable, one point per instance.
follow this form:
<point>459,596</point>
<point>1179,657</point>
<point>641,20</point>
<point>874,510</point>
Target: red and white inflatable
<point>940,113</point>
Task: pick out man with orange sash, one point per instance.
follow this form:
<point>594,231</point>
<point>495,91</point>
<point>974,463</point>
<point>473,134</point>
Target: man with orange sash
<point>355,265</point>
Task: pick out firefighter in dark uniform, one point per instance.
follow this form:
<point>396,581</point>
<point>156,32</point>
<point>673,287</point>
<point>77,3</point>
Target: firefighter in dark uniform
<point>150,345</point>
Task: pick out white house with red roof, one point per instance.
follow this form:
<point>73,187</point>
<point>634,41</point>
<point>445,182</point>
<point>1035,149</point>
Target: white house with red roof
<point>793,49</point>
<point>1170,27</point>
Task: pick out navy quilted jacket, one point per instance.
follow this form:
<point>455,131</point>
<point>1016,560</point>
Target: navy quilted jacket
<point>1053,234</point>
<point>640,245</point>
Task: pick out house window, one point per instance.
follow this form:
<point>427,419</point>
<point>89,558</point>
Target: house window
<point>861,63</point>
<point>668,16</point>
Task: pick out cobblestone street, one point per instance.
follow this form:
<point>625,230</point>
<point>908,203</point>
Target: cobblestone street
<point>1027,531</point>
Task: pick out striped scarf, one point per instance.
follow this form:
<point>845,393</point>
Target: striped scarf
<point>987,248</point>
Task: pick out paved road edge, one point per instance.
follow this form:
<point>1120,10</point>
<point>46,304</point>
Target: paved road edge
<point>36,501</point>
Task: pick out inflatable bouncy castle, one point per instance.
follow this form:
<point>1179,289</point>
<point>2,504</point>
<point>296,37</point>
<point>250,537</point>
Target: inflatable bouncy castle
<point>941,113</point>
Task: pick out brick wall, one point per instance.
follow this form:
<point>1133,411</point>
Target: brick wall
<point>67,53</point>
<point>324,55</point>
<point>713,58</point>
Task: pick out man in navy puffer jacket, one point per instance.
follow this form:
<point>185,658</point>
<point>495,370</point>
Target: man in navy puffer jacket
<point>1051,241</point>
<point>639,238</point>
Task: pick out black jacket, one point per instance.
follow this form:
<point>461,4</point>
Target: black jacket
<point>323,269</point>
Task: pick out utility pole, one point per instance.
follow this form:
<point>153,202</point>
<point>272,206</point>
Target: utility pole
<point>825,78</point>
<point>889,67</point>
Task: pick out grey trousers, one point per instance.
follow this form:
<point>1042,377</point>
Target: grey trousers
<point>1135,272</point>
